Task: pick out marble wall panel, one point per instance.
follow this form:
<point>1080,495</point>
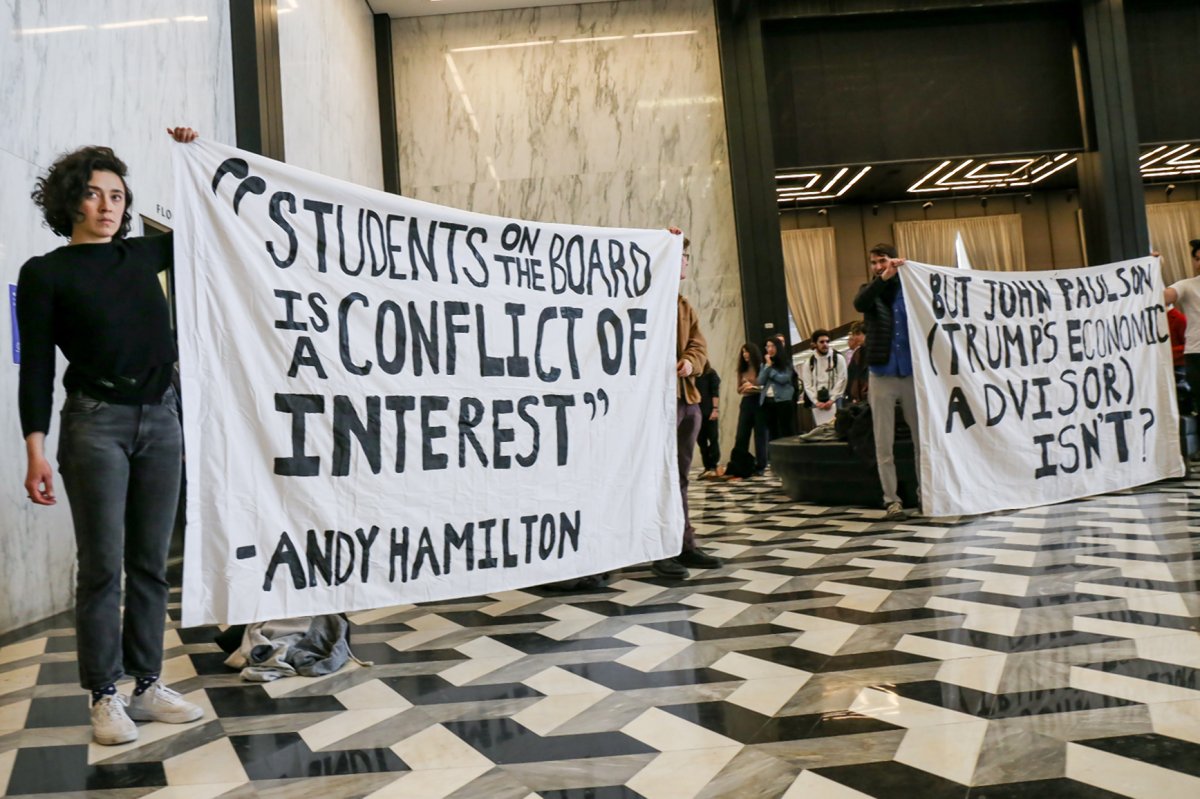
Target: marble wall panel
<point>80,72</point>
<point>330,95</point>
<point>598,114</point>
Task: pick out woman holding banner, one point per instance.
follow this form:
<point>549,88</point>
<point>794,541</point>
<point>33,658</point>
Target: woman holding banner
<point>99,300</point>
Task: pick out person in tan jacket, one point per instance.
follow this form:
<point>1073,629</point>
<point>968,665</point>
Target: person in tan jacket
<point>691,354</point>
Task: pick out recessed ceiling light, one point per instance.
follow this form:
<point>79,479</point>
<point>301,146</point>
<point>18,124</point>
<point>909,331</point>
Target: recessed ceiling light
<point>818,184</point>
<point>662,33</point>
<point>1169,160</point>
<point>133,23</point>
<point>990,173</point>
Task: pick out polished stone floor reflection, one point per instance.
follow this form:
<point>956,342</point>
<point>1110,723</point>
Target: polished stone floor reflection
<point>1050,652</point>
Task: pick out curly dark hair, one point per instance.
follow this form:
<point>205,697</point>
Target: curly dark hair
<point>756,359</point>
<point>61,191</point>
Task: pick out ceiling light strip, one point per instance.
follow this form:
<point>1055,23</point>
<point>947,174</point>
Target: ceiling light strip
<point>477,48</point>
<point>663,34</point>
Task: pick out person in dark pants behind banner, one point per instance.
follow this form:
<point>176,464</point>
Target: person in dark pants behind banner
<point>857,372</point>
<point>709,384</point>
<point>881,302</point>
<point>98,300</point>
<point>691,354</point>
<point>1185,296</point>
<point>1177,328</point>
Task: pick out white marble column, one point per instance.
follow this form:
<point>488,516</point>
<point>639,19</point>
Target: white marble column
<point>80,72</point>
<point>330,95</point>
<point>600,114</point>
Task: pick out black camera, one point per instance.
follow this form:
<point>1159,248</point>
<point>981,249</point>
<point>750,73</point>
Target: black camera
<point>822,395</point>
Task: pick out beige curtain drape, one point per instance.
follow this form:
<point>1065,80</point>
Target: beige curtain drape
<point>993,243</point>
<point>1172,226</point>
<point>810,266</point>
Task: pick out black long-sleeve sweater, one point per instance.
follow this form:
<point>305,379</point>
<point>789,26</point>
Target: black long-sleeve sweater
<point>103,306</point>
<point>874,302</point>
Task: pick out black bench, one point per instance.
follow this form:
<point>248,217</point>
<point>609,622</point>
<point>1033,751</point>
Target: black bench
<point>829,473</point>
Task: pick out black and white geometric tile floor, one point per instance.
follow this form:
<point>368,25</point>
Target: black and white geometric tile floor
<point>1048,652</point>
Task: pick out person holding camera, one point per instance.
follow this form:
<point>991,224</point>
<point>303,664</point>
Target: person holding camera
<point>824,378</point>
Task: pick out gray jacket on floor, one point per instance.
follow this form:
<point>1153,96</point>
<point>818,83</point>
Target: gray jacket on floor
<point>310,646</point>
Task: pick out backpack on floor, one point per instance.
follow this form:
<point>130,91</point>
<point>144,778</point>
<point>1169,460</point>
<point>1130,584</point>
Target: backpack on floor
<point>741,463</point>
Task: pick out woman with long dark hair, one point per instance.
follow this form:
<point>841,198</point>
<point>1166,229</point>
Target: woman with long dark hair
<point>778,382</point>
<point>750,417</point>
<point>99,300</point>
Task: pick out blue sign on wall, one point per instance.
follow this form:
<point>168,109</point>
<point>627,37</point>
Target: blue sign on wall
<point>12,313</point>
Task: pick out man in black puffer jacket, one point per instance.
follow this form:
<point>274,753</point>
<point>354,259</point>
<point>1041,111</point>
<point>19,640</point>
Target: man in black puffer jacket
<point>881,302</point>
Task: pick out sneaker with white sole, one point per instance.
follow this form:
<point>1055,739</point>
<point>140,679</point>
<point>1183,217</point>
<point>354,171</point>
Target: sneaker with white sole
<point>111,725</point>
<point>894,511</point>
<point>160,703</point>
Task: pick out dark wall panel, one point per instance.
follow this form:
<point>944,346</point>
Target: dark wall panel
<point>882,87</point>
<point>1164,54</point>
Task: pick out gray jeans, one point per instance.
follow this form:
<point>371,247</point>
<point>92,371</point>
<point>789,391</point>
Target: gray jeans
<point>120,466</point>
<point>883,394</point>
<point>687,429</point>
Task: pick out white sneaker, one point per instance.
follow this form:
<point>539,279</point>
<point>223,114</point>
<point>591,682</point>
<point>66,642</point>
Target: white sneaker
<point>160,703</point>
<point>894,511</point>
<point>111,725</point>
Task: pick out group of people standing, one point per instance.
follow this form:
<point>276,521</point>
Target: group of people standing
<point>770,387</point>
<point>875,372</point>
<point>99,301</point>
<point>767,388</point>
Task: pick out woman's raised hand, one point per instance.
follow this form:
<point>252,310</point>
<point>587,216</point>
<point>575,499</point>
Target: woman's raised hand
<point>182,135</point>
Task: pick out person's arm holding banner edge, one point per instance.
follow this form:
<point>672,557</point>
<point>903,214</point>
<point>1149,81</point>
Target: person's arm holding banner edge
<point>183,135</point>
<point>865,298</point>
<point>695,352</point>
<point>691,351</point>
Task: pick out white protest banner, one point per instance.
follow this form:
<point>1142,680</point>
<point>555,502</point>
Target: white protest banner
<point>388,401</point>
<point>1039,387</point>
